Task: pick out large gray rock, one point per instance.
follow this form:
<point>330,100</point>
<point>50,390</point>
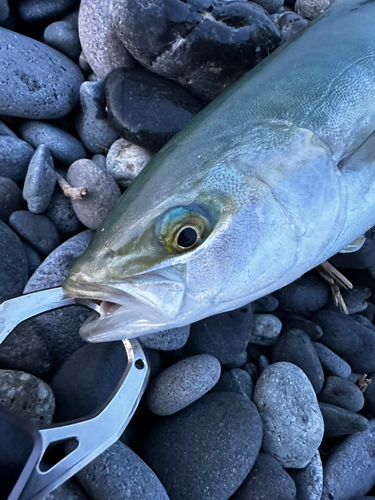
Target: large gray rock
<point>292,422</point>
<point>126,160</point>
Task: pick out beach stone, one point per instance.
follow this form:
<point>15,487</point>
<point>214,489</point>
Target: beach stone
<point>103,192</point>
<point>296,347</point>
<point>290,24</point>
<point>92,123</point>
<point>263,363</point>
<point>10,198</point>
<point>15,156</point>
<point>266,304</point>
<point>292,322</point>
<point>349,471</point>
<point>222,431</point>
<point>60,212</point>
<point>235,380</point>
<point>292,422</point>
<point>126,160</point>
<point>27,397</point>
<point>224,336</point>
<point>100,160</point>
<point>102,49</point>
<point>68,491</point>
<point>167,340</point>
<point>32,11</point>
<point>63,146</point>
<point>4,10</point>
<point>33,258</point>
<point>63,36</point>
<point>13,264</point>
<point>119,474</point>
<point>341,392</point>
<point>36,81</point>
<point>339,421</point>
<point>146,109</point>
<point>331,363</point>
<point>5,130</point>
<point>40,180</point>
<point>267,479</point>
<point>348,338</point>
<point>183,383</point>
<point>361,259</point>
<point>309,480</point>
<point>271,6</point>
<point>265,330</point>
<point>36,229</point>
<point>355,300</point>
<point>310,9</point>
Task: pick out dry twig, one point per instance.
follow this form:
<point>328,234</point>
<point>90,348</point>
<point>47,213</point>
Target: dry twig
<point>335,280</point>
<point>74,193</point>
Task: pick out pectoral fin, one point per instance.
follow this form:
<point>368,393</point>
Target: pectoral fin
<point>354,246</point>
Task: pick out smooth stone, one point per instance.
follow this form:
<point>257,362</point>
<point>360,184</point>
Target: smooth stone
<point>237,362</point>
<point>68,491</point>
<point>100,160</point>
<point>348,338</point>
<point>63,36</point>
<point>224,336</point>
<point>355,300</point>
<point>36,81</point>
<point>60,212</point>
<point>362,259</point>
<point>332,363</point>
<point>15,156</point>
<point>310,9</point>
<point>5,130</point>
<point>267,480</point>
<point>265,330</point>
<point>103,50</point>
<point>290,24</point>
<point>292,322</point>
<point>11,198</point>
<point>103,192</point>
<point>266,304</point>
<point>27,397</point>
<point>40,180</point>
<point>33,258</point>
<point>309,480</point>
<point>349,471</point>
<point>13,264</point>
<point>119,474</point>
<point>31,11</point>
<point>92,124</point>
<point>263,363</point>
<point>296,347</point>
<point>167,340</point>
<point>235,380</point>
<point>271,6</point>
<point>63,146</point>
<point>341,392</point>
<point>4,11</point>
<point>147,109</point>
<point>222,431</point>
<point>292,421</point>
<point>183,383</point>
<point>305,295</point>
<point>204,46</point>
<point>126,160</point>
<point>339,421</point>
<point>36,229</point>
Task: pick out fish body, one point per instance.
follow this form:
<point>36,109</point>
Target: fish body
<point>272,178</point>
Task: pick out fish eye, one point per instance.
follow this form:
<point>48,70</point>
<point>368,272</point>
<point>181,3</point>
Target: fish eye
<point>187,237</point>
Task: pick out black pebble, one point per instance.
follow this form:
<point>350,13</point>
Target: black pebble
<point>10,198</point>
<point>339,422</point>
<point>363,258</point>
<point>341,392</point>
<point>332,363</point>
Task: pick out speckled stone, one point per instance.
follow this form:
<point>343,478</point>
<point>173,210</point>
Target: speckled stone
<point>182,383</point>
<point>60,212</point>
<point>309,480</point>
<point>103,50</point>
<point>63,146</point>
<point>265,330</point>
<point>63,36</point>
<point>341,392</point>
<point>271,6</point>
<point>310,9</point>
<point>40,180</point>
<point>10,198</point>
<point>32,11</point>
<point>235,380</point>
<point>68,491</point>
<point>291,322</point>
<point>331,362</point>
<point>36,229</point>
<point>339,422</point>
<point>27,396</point>
<point>167,340</point>
<point>126,160</point>
<point>36,81</point>
<point>15,156</point>
<point>292,421</point>
<point>290,24</point>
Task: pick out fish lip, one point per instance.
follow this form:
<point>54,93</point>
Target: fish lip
<point>95,291</point>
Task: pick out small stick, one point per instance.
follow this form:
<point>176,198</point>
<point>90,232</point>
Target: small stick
<point>363,382</point>
<point>74,193</point>
<point>335,280</point>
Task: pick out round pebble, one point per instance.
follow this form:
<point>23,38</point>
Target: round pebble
<point>310,9</point>
<point>40,10</point>
<point>266,304</point>
<point>263,363</point>
<point>339,422</point>
<point>290,24</point>
<point>167,340</point>
<point>271,6</point>
<point>63,36</point>
<point>292,422</point>
<point>4,10</point>
<point>309,480</point>
<point>13,264</point>
<point>103,192</point>
<point>68,491</point>
<point>126,160</point>
<point>265,330</point>
<point>40,180</point>
<point>60,212</point>
<point>36,81</point>
<point>63,146</point>
<point>182,383</point>
<point>222,431</point>
<point>331,363</point>
<point>341,392</point>
<point>11,198</point>
<point>15,157</point>
<point>235,380</point>
<point>27,396</point>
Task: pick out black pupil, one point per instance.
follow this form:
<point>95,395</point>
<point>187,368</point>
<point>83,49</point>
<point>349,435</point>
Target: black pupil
<point>187,237</point>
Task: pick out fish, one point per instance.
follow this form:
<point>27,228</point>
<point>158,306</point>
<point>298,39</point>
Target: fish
<point>271,179</point>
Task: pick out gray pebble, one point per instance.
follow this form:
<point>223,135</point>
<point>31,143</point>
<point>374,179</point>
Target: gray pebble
<point>63,36</point>
<point>271,6</point>
<point>266,304</point>
<point>263,363</point>
<point>36,229</point>
<point>100,160</point>
<point>290,24</point>
<point>349,471</point>
<point>265,330</point>
<point>15,157</point>
<point>103,192</point>
<point>339,422</point>
<point>119,474</point>
<point>310,9</point>
<point>36,81</point>
<point>32,11</point>
<point>309,480</point>
<point>63,146</point>
<point>331,362</point>
<point>68,491</point>
<point>27,396</point>
<point>60,212</point>
<point>167,340</point>
<point>183,383</point>
<point>292,421</point>
<point>83,64</point>
<point>40,180</point>
<point>103,50</point>
<point>4,11</point>
<point>10,198</point>
<point>235,380</point>
<point>33,258</point>
<point>291,322</point>
<point>92,123</point>
<point>126,160</point>
<point>342,392</point>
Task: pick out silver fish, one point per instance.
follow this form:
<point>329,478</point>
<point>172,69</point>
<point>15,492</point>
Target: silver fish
<point>271,179</point>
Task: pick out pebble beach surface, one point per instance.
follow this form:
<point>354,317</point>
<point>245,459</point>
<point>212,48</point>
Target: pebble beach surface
<point>272,401</point>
